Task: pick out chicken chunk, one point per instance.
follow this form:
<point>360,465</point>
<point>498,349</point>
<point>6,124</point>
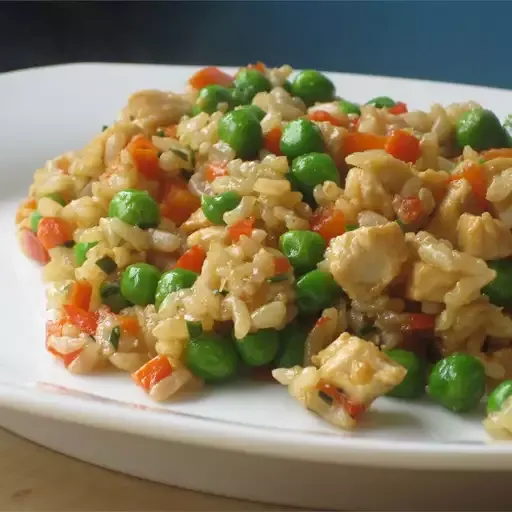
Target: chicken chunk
<point>364,261</point>
<point>352,373</point>
<point>366,192</point>
<point>151,108</point>
<point>428,283</point>
<point>484,237</point>
<point>359,368</point>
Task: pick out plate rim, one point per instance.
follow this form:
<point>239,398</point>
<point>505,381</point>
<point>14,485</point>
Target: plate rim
<point>97,412</point>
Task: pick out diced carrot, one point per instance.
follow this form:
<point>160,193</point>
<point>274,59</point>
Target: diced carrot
<point>271,141</point>
<point>322,115</point>
<point>210,76</point>
<point>53,231</point>
<point>32,247</point>
<point>259,66</point>
<point>419,322</point>
<point>241,227</point>
<point>329,223</point>
<point>353,409</point>
<point>281,265</point>
<point>398,108</point>
<point>171,131</point>
<point>216,169</point>
<point>355,142</point>
<point>55,329</point>
<point>404,146</point>
<point>410,209</point>
<point>129,324</point>
<point>497,153</point>
<point>192,259</point>
<point>80,294</point>
<point>152,372</point>
<point>475,175</point>
<point>322,320</point>
<point>145,157</point>
<point>86,321</point>
<point>179,204</point>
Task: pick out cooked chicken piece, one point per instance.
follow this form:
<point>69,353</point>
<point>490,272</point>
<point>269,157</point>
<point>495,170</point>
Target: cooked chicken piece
<point>364,261</point>
<point>365,191</point>
<point>484,237</point>
<point>303,386</point>
<point>359,368</point>
<point>429,283</point>
<point>471,273</point>
<point>390,171</point>
<point>151,109</point>
<point>458,200</point>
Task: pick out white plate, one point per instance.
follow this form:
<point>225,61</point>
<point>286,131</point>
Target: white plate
<point>47,111</point>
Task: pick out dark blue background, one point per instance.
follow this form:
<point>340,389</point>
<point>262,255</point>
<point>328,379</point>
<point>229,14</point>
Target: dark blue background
<point>454,41</point>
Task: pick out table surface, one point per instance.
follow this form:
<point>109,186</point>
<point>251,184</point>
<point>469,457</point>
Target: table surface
<point>33,478</point>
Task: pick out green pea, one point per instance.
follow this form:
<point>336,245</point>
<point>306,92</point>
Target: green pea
<point>304,249</point>
<point>300,137</point>
<point>135,207</point>
<point>57,198</point>
<point>499,396</point>
<point>457,382</point>
<point>111,296</point>
<point>248,83</point>
<point>80,251</point>
<point>382,102</point>
<point>313,169</point>
<point>413,386</point>
<point>499,290</point>
<point>214,207</point>
<point>312,86</point>
<point>242,131</point>
<point>480,129</point>
<point>258,348</point>
<point>293,343</point>
<point>210,96</point>
<point>139,282</point>
<point>172,281</point>
<point>258,112</point>
<point>316,290</point>
<point>211,357</point>
<point>35,217</point>
<point>348,107</point>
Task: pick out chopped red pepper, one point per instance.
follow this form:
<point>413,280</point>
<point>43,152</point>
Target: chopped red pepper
<point>321,116</point>
<point>281,265</point>
<point>272,140</point>
<point>410,210</point>
<point>322,320</point>
<point>398,108</point>
<point>258,66</point>
<point>419,322</point>
<point>241,227</point>
<point>153,372</point>
<point>353,409</point>
<point>86,321</point>
<point>329,223</point>
<point>404,146</point>
<point>192,259</point>
<point>216,169</point>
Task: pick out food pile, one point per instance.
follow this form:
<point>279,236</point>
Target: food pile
<point>259,225</point>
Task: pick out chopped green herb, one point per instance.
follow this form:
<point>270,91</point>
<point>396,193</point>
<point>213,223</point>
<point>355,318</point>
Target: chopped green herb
<point>110,294</point>
<point>351,227</point>
<point>104,127</point>
<point>278,278</point>
<point>481,161</point>
<point>69,244</point>
<point>192,157</point>
<point>325,397</point>
<point>195,329</point>
<point>180,154</point>
<point>107,264</point>
<point>160,133</point>
<point>114,337</point>
<point>367,329</point>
